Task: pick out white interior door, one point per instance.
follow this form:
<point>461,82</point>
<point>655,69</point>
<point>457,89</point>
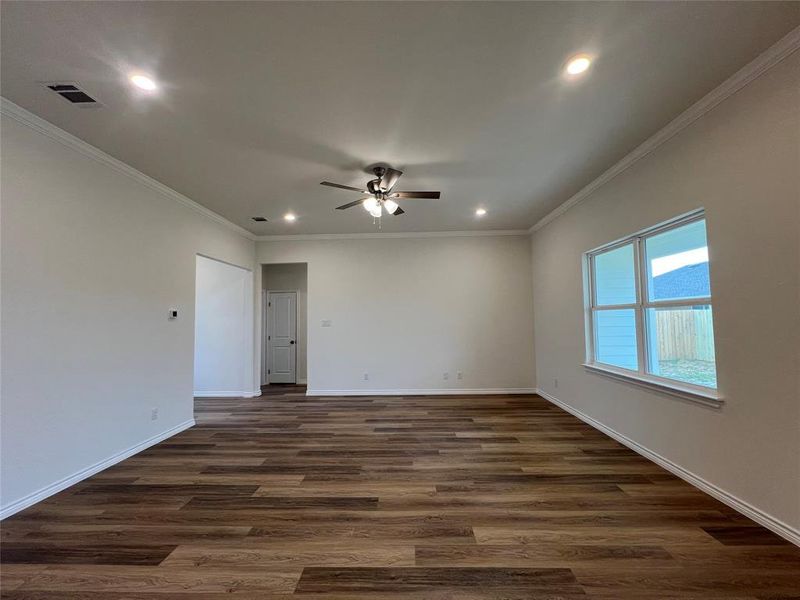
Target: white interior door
<point>282,336</point>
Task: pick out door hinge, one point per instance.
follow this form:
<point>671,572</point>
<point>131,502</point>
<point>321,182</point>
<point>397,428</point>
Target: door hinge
<point>269,337</point>
<point>269,303</point>
<point>268,371</point>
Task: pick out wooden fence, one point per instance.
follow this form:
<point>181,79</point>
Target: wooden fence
<point>685,334</point>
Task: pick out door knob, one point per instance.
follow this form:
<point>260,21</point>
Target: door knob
<point>292,342</point>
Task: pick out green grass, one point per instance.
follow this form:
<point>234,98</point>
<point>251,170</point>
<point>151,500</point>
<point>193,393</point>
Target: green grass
<point>698,372</point>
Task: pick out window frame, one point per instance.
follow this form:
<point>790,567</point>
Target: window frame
<point>641,376</point>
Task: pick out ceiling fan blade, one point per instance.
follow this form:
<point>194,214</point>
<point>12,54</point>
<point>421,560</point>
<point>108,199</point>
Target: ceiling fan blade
<point>389,179</point>
<point>351,204</point>
<point>399,211</point>
<point>344,187</point>
<point>432,195</point>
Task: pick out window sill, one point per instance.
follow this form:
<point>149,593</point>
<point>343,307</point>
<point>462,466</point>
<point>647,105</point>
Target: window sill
<point>707,398</point>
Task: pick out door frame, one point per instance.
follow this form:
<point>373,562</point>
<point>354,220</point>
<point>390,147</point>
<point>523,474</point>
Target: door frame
<point>265,353</point>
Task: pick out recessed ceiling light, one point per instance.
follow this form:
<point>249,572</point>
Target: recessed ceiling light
<point>143,82</point>
<point>289,217</point>
<point>578,64</point>
<point>480,212</point>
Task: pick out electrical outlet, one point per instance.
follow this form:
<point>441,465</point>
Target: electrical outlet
<point>555,383</point>
<point>459,375</point>
<point>154,414</point>
<point>366,376</point>
<point>445,376</point>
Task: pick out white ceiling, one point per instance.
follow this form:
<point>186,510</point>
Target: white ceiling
<point>262,101</point>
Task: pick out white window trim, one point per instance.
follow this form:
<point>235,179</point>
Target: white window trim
<point>704,395</point>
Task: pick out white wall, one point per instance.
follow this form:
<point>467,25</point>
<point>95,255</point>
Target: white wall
<point>407,310</point>
<point>223,330</point>
<point>740,162</point>
<point>287,278</point>
<point>91,262</point>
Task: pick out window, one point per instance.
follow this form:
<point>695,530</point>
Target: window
<point>649,309</point>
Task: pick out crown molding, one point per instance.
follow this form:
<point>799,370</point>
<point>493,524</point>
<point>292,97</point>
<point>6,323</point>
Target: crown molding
<point>751,71</point>
<point>377,235</point>
<point>44,127</point>
<point>757,67</point>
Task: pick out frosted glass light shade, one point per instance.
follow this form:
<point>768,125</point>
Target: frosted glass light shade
<point>391,206</point>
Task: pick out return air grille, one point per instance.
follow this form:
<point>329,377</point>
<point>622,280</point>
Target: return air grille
<point>72,93</point>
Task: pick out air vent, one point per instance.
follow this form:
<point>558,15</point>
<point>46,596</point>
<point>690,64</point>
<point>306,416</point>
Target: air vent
<point>260,219</point>
<point>72,93</point>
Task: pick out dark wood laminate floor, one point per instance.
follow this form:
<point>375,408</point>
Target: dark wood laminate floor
<point>469,498</point>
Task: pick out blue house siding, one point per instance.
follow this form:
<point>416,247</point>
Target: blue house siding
<point>616,339</point>
<point>616,329</point>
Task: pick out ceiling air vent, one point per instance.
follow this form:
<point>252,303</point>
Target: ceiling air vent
<point>260,219</point>
<point>72,93</point>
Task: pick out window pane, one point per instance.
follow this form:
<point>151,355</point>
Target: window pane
<point>615,338</point>
<point>614,278</point>
<point>681,344</point>
<point>677,263</point>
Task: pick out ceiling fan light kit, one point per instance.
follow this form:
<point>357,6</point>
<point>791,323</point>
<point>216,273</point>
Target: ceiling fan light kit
<point>372,206</point>
<point>381,197</point>
<point>390,206</point>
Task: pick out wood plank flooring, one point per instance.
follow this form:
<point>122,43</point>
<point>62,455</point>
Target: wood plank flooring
<point>449,497</point>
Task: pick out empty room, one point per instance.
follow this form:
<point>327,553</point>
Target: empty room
<point>403,300</point>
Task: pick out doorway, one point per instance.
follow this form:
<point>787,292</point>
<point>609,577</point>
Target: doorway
<point>281,337</point>
<point>223,339</point>
<point>284,331</point>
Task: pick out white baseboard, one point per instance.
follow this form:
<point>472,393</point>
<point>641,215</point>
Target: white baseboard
<point>228,394</point>
<point>423,392</point>
<point>759,516</point>
<point>63,484</point>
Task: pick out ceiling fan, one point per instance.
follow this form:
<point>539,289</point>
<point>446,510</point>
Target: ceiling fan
<point>381,197</point>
